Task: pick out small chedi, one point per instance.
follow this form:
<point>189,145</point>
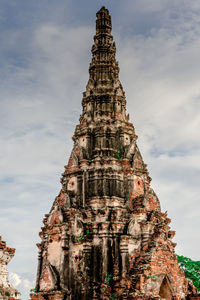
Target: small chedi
<point>106,236</point>
<point>7,291</point>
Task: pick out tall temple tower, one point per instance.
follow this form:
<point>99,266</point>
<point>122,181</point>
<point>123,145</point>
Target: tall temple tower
<point>105,236</point>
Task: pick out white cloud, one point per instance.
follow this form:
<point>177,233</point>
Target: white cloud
<point>21,283</point>
<point>27,284</point>
<point>14,279</point>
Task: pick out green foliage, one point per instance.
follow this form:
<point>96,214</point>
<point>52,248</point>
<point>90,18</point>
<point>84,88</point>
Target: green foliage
<point>32,291</point>
<point>80,238</point>
<point>110,276</point>
<point>191,269</point>
<point>83,237</point>
<point>153,276</point>
<point>118,155</point>
<point>109,279</point>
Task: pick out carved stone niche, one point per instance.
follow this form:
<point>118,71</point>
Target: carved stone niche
<point>118,106</point>
<point>165,289</point>
<point>83,141</point>
<point>55,216</point>
<point>89,106</point>
<point>131,150</point>
<point>78,228</point>
<point>47,281</point>
<point>72,186</point>
<point>134,230</point>
<point>127,139</point>
<point>160,284</point>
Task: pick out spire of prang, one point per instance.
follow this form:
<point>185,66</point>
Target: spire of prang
<point>103,22</point>
<point>103,68</point>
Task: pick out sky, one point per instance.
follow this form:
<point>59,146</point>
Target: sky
<point>44,59</point>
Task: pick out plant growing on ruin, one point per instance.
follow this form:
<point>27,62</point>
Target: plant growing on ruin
<point>153,276</point>
<point>83,237</point>
<point>191,269</point>
<point>118,155</point>
<point>109,279</point>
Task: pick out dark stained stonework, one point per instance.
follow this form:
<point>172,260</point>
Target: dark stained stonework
<point>105,236</point>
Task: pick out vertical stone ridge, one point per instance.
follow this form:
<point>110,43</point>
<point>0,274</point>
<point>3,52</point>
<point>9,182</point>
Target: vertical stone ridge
<point>105,236</point>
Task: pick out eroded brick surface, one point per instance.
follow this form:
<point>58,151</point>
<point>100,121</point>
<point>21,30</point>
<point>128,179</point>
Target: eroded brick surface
<point>105,236</point>
<point>7,291</point>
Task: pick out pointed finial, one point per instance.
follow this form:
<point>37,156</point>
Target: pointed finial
<point>104,67</point>
<point>103,9</point>
<point>103,22</point>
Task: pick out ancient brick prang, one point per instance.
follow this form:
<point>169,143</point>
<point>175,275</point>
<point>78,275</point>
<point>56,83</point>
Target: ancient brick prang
<point>105,236</point>
<point>7,291</point>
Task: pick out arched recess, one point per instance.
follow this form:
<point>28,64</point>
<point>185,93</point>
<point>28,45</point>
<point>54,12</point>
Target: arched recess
<point>78,228</point>
<point>134,227</point>
<point>165,289</point>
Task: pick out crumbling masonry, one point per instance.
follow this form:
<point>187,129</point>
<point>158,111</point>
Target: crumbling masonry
<point>105,236</point>
<point>7,291</point>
